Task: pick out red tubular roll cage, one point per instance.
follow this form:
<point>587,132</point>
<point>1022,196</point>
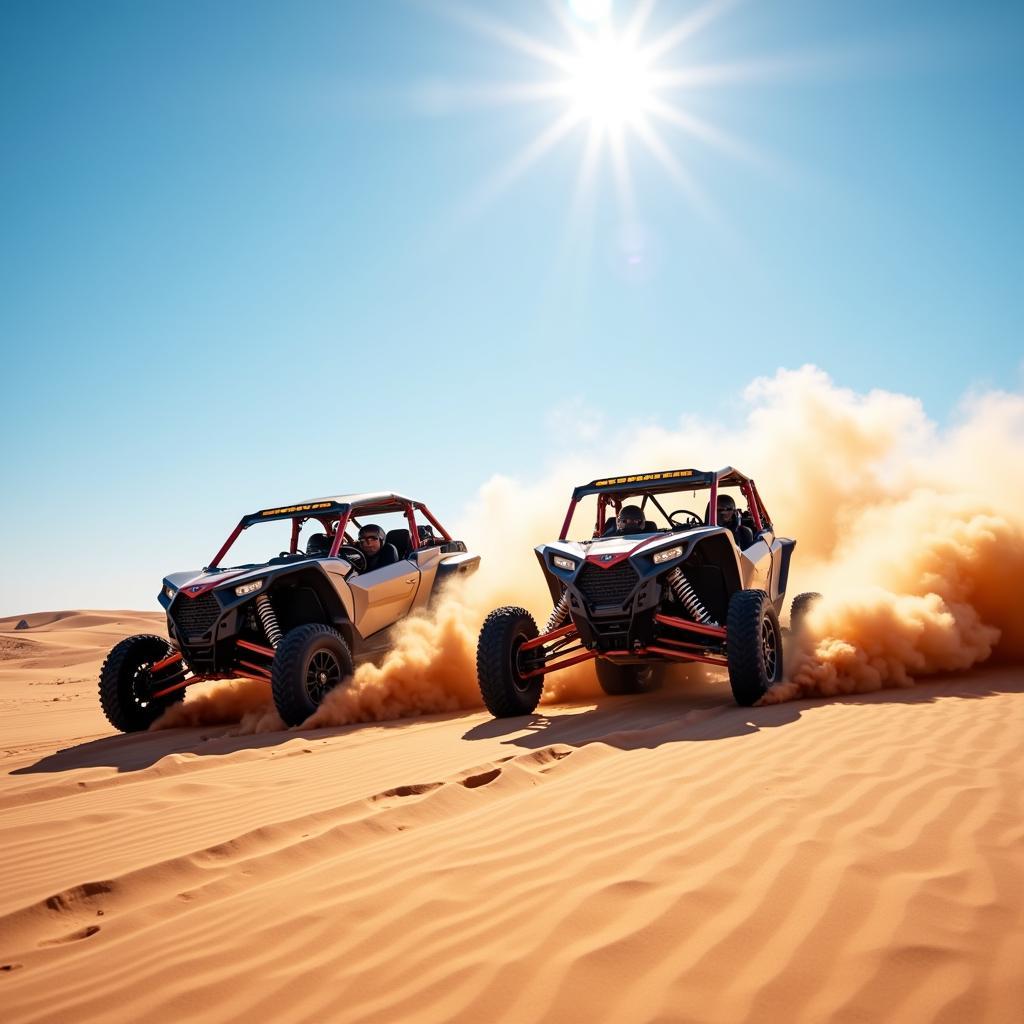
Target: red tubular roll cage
<point>727,477</point>
<point>340,521</point>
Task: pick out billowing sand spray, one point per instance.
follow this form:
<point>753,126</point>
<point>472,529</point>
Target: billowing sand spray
<point>242,702</point>
<point>945,597</point>
<point>915,536</point>
<point>432,667</point>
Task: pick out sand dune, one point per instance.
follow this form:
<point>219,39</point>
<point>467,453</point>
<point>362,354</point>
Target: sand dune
<point>669,857</point>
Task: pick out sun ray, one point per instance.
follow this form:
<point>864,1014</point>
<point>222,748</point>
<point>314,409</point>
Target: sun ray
<point>588,161</point>
<point>578,226</point>
<point>700,129</point>
<point>734,72</point>
<point>504,33</point>
<point>525,158</point>
<point>675,169</point>
<point>451,96</point>
<point>687,27</point>
<point>635,26</point>
<point>577,36</point>
<point>621,172</point>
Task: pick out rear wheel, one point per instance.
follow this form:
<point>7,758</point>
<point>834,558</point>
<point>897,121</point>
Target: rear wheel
<point>126,680</point>
<point>502,667</point>
<point>617,680</point>
<point>801,605</point>
<point>753,646</point>
<point>309,662</point>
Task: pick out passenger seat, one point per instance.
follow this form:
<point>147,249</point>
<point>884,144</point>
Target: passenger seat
<point>402,541</point>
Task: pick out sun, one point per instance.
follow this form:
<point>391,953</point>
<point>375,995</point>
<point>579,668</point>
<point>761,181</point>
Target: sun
<point>610,82</point>
<point>621,91</point>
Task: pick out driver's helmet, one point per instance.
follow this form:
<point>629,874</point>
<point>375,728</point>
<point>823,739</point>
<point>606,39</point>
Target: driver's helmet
<point>318,546</point>
<point>727,514</point>
<point>369,531</point>
<point>630,519</point>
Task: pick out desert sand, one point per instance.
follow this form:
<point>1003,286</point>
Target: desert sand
<point>666,857</point>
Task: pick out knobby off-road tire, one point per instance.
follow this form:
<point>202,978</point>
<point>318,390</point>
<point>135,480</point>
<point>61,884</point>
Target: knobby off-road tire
<point>309,662</point>
<point>499,672</point>
<point>124,681</point>
<point>618,680</point>
<point>753,646</point>
<point>801,605</point>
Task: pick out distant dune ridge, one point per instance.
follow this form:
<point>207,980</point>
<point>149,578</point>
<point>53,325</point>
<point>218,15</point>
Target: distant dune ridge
<point>666,857</point>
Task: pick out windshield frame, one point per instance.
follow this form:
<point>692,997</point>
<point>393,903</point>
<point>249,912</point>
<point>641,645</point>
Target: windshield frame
<point>614,494</point>
<point>335,524</point>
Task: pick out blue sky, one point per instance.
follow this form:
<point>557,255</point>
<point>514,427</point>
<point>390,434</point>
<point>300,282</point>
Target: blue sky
<point>253,253</point>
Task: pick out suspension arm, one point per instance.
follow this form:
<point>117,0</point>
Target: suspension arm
<point>545,638</point>
<point>695,627</point>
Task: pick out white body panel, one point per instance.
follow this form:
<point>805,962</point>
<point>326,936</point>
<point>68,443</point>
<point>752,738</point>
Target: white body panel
<point>383,596</point>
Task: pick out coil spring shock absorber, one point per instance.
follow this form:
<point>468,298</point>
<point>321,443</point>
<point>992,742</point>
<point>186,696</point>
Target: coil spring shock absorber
<point>559,613</point>
<point>687,597</point>
<point>265,611</point>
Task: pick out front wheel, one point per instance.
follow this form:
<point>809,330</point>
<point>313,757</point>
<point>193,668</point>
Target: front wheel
<point>502,667</point>
<point>618,680</point>
<point>753,646</point>
<point>309,662</point>
<point>126,680</point>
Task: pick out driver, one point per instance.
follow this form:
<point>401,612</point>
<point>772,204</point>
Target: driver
<point>729,517</point>
<point>375,551</point>
<point>629,520</point>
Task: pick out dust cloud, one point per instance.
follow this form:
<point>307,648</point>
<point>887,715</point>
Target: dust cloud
<point>914,534</point>
<point>242,702</point>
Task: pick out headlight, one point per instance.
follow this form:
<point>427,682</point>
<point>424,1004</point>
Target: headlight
<point>667,555</point>
<point>248,588</point>
<point>561,562</point>
<point>169,592</point>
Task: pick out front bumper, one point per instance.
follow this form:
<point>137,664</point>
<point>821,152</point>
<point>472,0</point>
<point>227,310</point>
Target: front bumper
<point>204,631</point>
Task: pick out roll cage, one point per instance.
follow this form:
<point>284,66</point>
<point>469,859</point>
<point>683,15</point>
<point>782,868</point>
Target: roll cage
<point>334,515</point>
<point>612,491</point>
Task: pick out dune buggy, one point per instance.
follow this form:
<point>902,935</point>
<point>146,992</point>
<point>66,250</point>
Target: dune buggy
<point>301,619</point>
<point>679,586</point>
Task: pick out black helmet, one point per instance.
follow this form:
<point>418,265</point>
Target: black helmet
<point>318,546</point>
<point>726,507</point>
<point>630,519</point>
<point>371,530</point>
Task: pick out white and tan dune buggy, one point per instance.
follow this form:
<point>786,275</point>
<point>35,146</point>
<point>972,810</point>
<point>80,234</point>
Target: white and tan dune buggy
<point>295,606</point>
<point>676,585</point>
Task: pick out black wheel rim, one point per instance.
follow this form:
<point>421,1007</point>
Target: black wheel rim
<point>769,649</point>
<point>142,679</point>
<point>522,663</point>
<point>322,674</point>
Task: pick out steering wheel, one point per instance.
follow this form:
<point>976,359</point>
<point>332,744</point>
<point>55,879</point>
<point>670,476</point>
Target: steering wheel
<point>353,555</point>
<point>694,519</point>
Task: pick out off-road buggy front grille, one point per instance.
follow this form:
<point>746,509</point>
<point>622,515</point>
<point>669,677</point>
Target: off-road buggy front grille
<point>607,586</point>
<point>195,617</point>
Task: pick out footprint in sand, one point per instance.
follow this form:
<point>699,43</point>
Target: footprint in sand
<point>482,779</point>
<point>82,933</point>
<point>418,789</point>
